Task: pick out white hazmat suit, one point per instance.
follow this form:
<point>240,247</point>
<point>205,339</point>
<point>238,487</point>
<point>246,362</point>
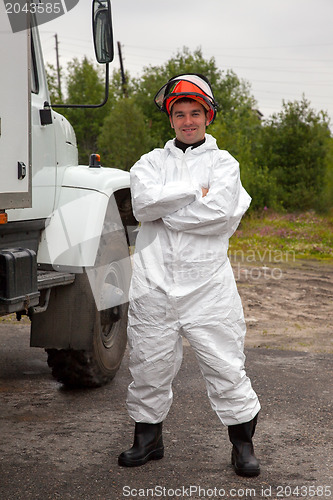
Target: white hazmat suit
<point>183,284</point>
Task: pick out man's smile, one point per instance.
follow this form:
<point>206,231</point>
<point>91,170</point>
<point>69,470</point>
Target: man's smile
<point>184,113</point>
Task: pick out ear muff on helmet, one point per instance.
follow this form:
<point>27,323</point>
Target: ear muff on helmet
<point>189,85</point>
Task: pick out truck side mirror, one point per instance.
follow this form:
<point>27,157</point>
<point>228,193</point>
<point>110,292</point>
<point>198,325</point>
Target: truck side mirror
<point>102,30</point>
<point>103,42</point>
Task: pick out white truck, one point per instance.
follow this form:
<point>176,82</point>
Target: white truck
<point>64,245</point>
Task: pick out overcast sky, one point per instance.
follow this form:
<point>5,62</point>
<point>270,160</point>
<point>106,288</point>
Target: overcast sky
<point>283,48</point>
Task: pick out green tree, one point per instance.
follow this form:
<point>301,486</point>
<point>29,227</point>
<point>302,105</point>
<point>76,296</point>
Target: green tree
<point>230,92</point>
<point>124,136</point>
<point>116,88</point>
<point>56,95</point>
<point>295,148</point>
<point>325,202</point>
<point>237,126</point>
<point>85,85</point>
<point>286,162</point>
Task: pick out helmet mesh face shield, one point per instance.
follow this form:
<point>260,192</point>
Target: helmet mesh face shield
<point>191,86</point>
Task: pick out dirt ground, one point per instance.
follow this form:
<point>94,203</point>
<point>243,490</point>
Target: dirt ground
<point>62,444</point>
<point>287,306</point>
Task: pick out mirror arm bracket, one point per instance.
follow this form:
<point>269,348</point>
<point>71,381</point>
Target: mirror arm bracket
<point>87,106</point>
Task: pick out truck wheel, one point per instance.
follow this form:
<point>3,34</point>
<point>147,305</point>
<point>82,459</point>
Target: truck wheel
<point>97,366</point>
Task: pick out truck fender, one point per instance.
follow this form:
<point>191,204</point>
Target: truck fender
<point>71,237</point>
<point>86,234</point>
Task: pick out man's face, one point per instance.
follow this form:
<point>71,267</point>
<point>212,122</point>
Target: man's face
<point>189,121</point>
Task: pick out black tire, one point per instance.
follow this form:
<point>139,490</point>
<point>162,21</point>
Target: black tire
<point>96,367</point>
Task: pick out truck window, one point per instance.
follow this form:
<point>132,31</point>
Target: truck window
<point>34,73</point>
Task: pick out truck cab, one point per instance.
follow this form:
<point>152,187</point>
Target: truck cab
<point>64,239</point>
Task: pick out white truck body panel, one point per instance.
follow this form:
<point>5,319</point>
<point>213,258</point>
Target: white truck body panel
<point>53,147</point>
<point>65,229</point>
<point>15,133</point>
<point>72,199</point>
<point>71,238</point>
<point>104,180</point>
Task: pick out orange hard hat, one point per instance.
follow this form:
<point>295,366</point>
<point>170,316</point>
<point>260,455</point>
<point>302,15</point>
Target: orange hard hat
<point>189,85</point>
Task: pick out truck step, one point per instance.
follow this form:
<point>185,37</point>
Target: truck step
<point>49,279</point>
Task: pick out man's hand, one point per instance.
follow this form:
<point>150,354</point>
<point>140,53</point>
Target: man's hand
<point>204,191</point>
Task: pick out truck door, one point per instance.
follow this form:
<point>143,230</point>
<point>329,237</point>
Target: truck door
<point>15,111</point>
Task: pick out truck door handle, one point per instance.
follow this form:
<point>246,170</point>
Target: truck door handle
<point>21,170</point>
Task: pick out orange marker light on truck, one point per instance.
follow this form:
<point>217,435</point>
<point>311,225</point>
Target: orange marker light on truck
<point>95,161</point>
<point>3,218</point>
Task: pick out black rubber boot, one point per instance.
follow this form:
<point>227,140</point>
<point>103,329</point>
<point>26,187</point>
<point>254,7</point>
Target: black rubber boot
<point>148,445</point>
<point>242,457</point>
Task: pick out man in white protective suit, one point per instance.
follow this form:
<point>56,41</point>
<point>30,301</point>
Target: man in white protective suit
<point>189,199</point>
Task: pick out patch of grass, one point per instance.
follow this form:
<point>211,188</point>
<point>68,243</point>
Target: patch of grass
<point>11,318</point>
<point>301,236</point>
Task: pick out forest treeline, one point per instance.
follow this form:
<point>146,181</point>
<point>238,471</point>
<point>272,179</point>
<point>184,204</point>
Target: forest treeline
<point>286,159</point>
